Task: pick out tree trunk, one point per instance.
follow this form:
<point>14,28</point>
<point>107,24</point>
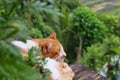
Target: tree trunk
<point>79,49</point>
<point>29,16</point>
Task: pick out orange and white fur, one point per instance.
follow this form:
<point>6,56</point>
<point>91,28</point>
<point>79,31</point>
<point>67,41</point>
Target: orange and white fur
<point>58,71</point>
<point>52,50</point>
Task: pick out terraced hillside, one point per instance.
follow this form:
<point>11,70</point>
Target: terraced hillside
<point>104,6</point>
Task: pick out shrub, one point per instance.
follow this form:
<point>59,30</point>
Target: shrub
<point>111,22</point>
<point>87,25</point>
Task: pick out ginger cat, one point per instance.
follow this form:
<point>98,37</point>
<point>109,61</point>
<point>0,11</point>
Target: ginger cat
<point>53,52</point>
<point>50,47</point>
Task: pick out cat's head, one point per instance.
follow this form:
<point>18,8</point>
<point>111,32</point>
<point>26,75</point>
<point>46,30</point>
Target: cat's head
<point>51,47</point>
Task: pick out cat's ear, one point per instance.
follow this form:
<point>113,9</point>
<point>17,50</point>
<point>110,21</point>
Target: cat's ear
<point>52,36</point>
<point>46,47</point>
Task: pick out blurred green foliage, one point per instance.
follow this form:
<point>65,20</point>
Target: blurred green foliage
<point>87,25</point>
<point>100,34</point>
<point>36,61</point>
<point>99,54</point>
<point>26,19</point>
<point>12,66</point>
<point>22,20</point>
<point>112,23</point>
<point>70,4</point>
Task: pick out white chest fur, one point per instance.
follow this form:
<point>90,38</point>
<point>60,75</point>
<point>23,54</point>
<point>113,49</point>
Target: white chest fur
<point>51,65</point>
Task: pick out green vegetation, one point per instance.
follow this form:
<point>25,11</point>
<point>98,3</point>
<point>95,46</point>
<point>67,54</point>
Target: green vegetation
<point>117,3</point>
<point>110,7</point>
<point>92,2</point>
<point>111,23</point>
<point>107,52</point>
<point>84,26</point>
<point>94,37</point>
<point>88,26</point>
<point>113,11</point>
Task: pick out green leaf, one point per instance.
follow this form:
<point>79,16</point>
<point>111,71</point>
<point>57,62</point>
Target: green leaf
<point>2,19</point>
<point>116,50</point>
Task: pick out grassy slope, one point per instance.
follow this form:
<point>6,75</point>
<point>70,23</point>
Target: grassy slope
<point>104,6</point>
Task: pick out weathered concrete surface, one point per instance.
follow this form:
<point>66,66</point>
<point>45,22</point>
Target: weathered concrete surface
<point>84,73</point>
